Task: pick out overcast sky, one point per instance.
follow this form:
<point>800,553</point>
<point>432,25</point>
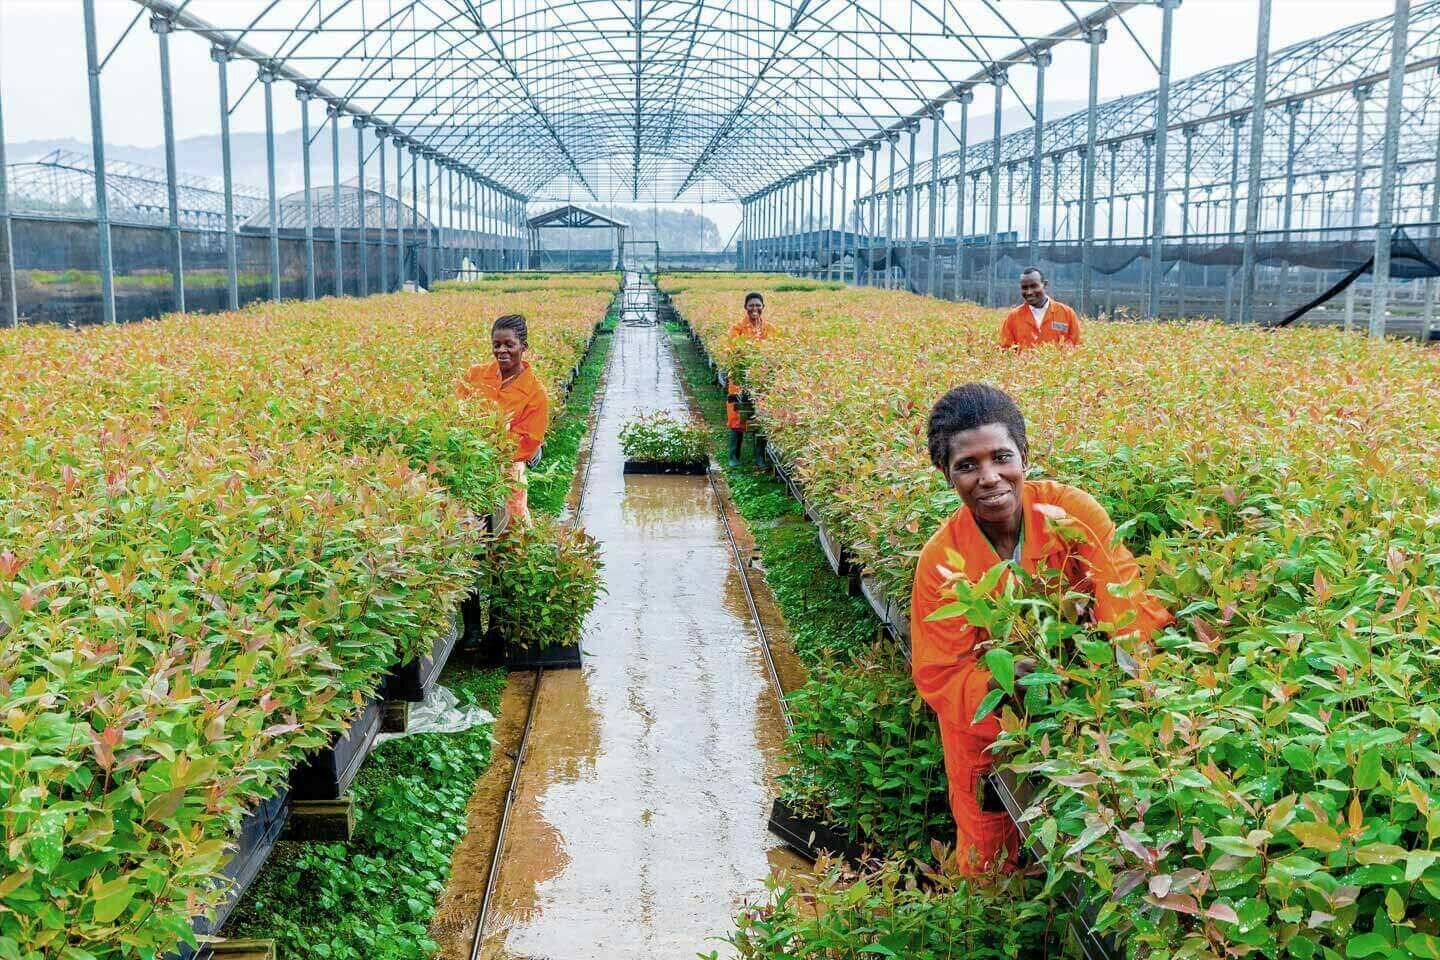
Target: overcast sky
<point>43,81</point>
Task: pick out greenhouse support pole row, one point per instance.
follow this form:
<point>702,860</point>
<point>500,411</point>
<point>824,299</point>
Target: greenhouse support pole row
<point>302,96</point>
<point>332,116</point>
<point>998,79</point>
<point>267,79</point>
<point>1257,153</point>
<point>1037,157</point>
<point>400,276</point>
<point>874,214</point>
<point>911,129</point>
<point>1428,323</point>
<point>1162,132</point>
<point>415,212</point>
<point>1292,114</point>
<point>1094,38</point>
<point>967,97</point>
<point>161,28</point>
<point>97,146</point>
<point>856,213</point>
<point>221,56</point>
<point>931,287</point>
<point>10,315</point>
<point>1385,224</point>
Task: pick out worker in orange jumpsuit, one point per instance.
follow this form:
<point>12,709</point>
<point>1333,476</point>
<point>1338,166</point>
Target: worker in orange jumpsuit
<point>977,440</point>
<point>510,382</point>
<point>753,326</point>
<point>1040,319</point>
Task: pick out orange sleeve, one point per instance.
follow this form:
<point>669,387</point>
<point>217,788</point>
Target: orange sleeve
<point>529,425</point>
<point>1110,564</point>
<point>1007,335</point>
<point>943,662</point>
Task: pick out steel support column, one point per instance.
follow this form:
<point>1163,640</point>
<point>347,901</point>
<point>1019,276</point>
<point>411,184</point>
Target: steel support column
<point>1257,156</point>
<point>1361,95</point>
<point>9,309</point>
<point>1037,154</point>
<point>162,28</point>
<point>1189,133</point>
<point>267,80</point>
<point>362,254</point>
<point>400,276</point>
<point>1292,112</point>
<point>97,144</point>
<point>997,77</point>
<point>221,56</point>
<point>1094,39</point>
<point>384,204</point>
<point>932,288</point>
<point>303,96</point>
<point>1162,124</point>
<point>910,225</point>
<point>1385,222</point>
<point>336,235</point>
<point>874,214</point>
<point>415,213</point>
<point>967,97</point>
<point>893,139</point>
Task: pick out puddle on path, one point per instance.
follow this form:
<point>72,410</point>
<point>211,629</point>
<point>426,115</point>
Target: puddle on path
<point>639,825</point>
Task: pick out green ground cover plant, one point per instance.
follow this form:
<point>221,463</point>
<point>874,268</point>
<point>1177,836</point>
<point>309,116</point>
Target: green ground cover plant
<point>373,898</point>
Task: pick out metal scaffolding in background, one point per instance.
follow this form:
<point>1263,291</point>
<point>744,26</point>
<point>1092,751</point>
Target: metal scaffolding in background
<point>1316,194</point>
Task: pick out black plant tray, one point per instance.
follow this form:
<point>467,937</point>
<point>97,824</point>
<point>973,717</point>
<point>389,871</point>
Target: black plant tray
<point>834,552</point>
<point>259,832</point>
<point>694,468</point>
<point>553,657</point>
<point>411,681</point>
<point>810,836</point>
<point>327,774</point>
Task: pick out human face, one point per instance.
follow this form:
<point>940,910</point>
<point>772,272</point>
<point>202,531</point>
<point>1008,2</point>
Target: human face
<point>754,309</point>
<point>1033,289</point>
<point>508,350</point>
<point>988,471</point>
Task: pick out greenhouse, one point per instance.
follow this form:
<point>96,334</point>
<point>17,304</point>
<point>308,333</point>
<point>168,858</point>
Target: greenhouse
<point>770,479</point>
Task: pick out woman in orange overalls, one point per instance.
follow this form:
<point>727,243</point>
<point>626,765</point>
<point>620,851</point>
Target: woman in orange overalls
<point>753,326</point>
<point>510,382</point>
<point>977,440</point>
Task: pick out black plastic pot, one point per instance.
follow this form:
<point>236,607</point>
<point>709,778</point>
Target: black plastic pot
<point>327,773</point>
<point>811,837</point>
<point>552,657</point>
<point>695,468</point>
<point>411,681</point>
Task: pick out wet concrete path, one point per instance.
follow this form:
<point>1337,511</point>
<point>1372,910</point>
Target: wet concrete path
<point>638,826</point>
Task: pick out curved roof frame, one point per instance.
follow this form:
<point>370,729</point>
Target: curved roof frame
<point>669,93</point>
<point>1318,79</point>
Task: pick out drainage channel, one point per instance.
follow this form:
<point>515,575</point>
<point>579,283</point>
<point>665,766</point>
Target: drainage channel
<point>635,821</point>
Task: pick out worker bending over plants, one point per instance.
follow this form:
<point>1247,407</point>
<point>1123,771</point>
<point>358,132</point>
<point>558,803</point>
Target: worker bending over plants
<point>977,440</point>
<point>1040,318</point>
<point>752,326</point>
<point>510,382</point>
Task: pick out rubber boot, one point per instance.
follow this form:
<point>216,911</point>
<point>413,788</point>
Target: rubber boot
<point>762,460</point>
<point>737,437</point>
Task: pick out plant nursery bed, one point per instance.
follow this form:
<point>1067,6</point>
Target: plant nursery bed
<point>259,832</point>
<point>411,681</point>
<point>327,774</point>
<point>693,468</point>
<point>834,552</point>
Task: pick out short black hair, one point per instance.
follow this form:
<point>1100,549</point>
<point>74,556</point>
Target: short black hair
<point>754,295</point>
<point>514,322</point>
<point>1035,270</point>
<point>967,407</point>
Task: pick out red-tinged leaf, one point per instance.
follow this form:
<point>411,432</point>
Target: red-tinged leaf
<point>1078,780</point>
<point>1223,912</point>
<point>1178,902</point>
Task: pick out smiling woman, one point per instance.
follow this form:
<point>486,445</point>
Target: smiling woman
<point>977,440</point>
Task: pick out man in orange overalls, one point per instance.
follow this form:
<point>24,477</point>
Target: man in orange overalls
<point>753,326</point>
<point>1040,319</point>
<point>977,440</point>
<point>510,382</point>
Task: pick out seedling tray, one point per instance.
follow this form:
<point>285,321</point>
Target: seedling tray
<point>693,468</point>
<point>834,552</point>
<point>327,774</point>
<point>553,657</point>
<point>411,681</point>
